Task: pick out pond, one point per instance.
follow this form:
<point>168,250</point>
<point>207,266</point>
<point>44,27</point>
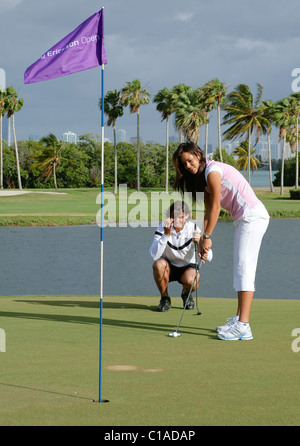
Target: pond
<point>66,261</point>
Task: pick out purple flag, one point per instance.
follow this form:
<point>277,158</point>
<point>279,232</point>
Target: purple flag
<point>80,50</point>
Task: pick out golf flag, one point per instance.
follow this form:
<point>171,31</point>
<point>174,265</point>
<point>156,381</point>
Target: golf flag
<point>80,50</point>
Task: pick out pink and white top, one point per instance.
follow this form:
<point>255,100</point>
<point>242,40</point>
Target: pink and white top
<point>237,196</point>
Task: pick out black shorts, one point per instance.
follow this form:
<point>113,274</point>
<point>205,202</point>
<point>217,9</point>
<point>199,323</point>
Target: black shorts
<point>176,271</point>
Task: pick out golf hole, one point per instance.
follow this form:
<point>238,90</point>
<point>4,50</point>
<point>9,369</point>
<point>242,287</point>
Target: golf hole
<point>102,401</point>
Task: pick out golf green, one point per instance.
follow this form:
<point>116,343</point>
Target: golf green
<point>50,369</point>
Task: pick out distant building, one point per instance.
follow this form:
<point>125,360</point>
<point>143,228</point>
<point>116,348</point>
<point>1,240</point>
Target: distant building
<point>133,140</point>
<point>70,137</point>
<point>262,149</point>
<point>275,151</point>
<point>121,135</point>
<point>2,79</point>
<point>34,138</point>
<point>175,137</point>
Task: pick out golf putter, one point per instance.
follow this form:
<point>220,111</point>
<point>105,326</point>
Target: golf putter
<point>175,333</point>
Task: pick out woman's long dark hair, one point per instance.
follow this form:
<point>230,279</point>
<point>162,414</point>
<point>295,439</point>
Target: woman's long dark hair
<point>186,181</point>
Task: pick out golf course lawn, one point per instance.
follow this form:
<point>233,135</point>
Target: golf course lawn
<point>82,206</point>
<point>50,370</point>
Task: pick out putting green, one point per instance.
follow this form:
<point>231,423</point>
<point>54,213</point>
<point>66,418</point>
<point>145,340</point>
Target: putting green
<point>49,372</point>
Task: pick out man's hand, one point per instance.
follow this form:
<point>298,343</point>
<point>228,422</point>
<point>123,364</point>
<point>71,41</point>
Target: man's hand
<point>196,237</point>
<point>168,226</point>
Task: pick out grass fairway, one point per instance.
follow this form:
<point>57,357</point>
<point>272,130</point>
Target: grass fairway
<point>80,206</point>
<point>49,372</point>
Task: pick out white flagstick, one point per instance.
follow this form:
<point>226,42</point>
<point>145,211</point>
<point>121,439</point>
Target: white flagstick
<point>102,223</point>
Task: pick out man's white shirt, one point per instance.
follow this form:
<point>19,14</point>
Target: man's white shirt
<point>178,248</point>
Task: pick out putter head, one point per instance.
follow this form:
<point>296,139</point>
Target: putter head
<point>174,334</point>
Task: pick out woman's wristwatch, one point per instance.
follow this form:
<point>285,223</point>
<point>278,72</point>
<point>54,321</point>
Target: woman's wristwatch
<point>206,235</point>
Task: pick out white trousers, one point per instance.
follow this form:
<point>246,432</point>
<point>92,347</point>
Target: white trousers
<point>249,232</point>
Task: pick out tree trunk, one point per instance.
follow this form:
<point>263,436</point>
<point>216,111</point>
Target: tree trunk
<point>219,132</point>
<point>116,161</point>
<point>270,162</point>
<point>54,175</point>
<point>17,153</point>
<point>282,168</point>
<point>206,139</point>
<point>181,136</point>
<point>138,151</point>
<point>167,154</point>
<point>297,158</point>
<point>249,155</point>
<point>1,154</point>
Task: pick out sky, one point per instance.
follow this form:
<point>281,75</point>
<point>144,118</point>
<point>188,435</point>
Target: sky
<point>162,43</point>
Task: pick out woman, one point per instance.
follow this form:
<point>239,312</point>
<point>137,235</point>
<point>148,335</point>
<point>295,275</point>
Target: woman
<point>225,187</point>
<point>173,251</point>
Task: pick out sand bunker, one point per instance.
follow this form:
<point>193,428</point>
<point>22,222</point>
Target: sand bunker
<point>10,192</point>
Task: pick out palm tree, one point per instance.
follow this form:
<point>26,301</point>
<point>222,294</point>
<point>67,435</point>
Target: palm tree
<point>242,153</point>
<point>208,100</point>
<point>295,103</point>
<point>2,113</point>
<point>245,115</point>
<point>114,110</point>
<point>49,158</point>
<point>165,105</point>
<point>133,95</point>
<point>191,114</point>
<point>283,119</point>
<point>267,112</point>
<point>215,92</point>
<point>178,95</point>
<point>13,104</point>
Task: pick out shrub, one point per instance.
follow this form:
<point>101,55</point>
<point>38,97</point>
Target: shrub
<point>295,194</point>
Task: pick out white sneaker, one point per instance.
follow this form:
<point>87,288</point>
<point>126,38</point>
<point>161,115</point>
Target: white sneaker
<point>236,332</point>
<point>231,321</point>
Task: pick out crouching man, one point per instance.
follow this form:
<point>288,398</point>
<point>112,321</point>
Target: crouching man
<point>173,250</point>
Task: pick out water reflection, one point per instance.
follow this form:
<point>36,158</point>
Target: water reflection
<point>66,260</point>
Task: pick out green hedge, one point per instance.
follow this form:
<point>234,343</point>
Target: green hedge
<point>295,194</point>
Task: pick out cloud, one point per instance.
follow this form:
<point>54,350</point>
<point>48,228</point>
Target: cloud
<point>8,4</point>
<point>183,16</point>
<point>252,44</point>
<point>241,47</point>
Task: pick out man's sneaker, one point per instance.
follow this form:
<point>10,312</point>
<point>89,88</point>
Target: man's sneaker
<point>231,321</point>
<point>190,304</point>
<point>164,304</point>
<point>236,332</point>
